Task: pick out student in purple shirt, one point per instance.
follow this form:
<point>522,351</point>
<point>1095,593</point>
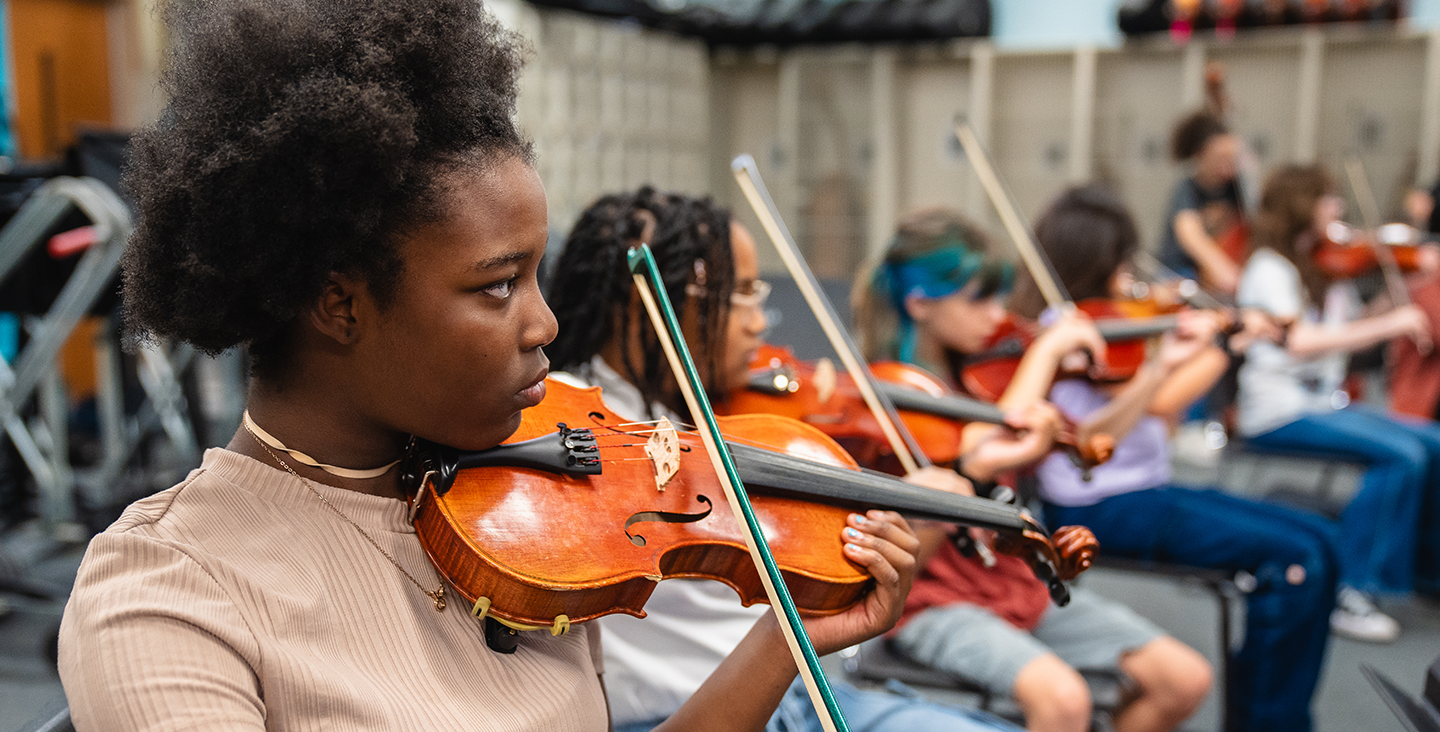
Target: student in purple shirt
<point>1135,510</point>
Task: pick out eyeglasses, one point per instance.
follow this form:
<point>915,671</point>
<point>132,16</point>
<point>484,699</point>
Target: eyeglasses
<point>752,294</point>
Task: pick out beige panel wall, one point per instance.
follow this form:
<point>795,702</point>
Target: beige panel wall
<point>745,118</point>
<point>1370,94</point>
<point>1138,98</point>
<point>612,107</point>
<point>1030,141</point>
<point>1370,111</point>
<point>932,93</point>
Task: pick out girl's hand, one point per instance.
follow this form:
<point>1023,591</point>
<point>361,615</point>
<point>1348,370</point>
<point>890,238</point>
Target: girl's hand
<point>1410,321</point>
<point>1256,326</point>
<point>884,545</point>
<point>1195,332</point>
<point>1074,331</point>
<point>1029,435</point>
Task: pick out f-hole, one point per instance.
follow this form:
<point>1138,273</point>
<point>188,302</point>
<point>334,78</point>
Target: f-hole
<point>665,517</point>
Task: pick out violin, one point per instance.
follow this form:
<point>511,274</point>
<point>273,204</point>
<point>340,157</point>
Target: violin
<point>815,393</point>
<point>1345,252</point>
<point>985,375</point>
<point>579,513</point>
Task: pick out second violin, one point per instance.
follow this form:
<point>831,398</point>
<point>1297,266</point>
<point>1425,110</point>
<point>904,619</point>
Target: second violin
<point>816,393</point>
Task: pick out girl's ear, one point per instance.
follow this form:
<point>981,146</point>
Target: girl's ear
<point>919,308</point>
<point>334,312</point>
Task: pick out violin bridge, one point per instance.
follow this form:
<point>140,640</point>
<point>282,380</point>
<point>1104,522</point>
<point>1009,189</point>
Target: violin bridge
<point>663,448</point>
<point>825,379</point>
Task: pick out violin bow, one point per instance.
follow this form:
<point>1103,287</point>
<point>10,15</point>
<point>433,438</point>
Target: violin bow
<point>1370,213</point>
<point>672,341</point>
<point>1035,260</point>
<point>747,175</point>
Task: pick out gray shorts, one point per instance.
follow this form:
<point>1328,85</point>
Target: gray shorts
<point>970,641</point>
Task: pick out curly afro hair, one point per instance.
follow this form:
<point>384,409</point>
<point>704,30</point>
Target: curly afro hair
<point>301,138</point>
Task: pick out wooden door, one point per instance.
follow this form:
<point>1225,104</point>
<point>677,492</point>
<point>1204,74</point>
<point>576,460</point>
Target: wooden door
<point>62,76</point>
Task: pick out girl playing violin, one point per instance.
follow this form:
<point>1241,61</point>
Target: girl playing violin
<point>1206,205</point>
<point>941,285</point>
<point>1132,504</point>
<point>1290,399</point>
<point>341,187</point>
<point>711,268</point>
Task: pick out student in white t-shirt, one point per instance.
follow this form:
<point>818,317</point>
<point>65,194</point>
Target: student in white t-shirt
<point>1290,398</point>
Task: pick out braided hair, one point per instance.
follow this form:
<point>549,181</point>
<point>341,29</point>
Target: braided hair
<point>591,289</point>
<point>301,138</point>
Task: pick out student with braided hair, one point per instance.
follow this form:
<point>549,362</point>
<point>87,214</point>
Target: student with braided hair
<point>710,269</point>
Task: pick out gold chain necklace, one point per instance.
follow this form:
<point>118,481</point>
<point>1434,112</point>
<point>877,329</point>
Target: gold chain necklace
<point>438,594</point>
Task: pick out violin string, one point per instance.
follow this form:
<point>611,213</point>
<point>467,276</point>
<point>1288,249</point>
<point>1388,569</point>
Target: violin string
<point>640,433</point>
<point>681,428</point>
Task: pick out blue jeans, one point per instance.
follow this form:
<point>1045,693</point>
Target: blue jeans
<point>1273,677</point>
<point>869,711</point>
<point>1388,532</point>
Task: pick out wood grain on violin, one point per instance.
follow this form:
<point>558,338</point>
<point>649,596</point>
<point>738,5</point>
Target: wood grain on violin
<point>609,529</point>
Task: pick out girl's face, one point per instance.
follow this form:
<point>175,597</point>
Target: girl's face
<point>959,321</point>
<point>747,321</point>
<point>457,354</point>
<point>1216,162</point>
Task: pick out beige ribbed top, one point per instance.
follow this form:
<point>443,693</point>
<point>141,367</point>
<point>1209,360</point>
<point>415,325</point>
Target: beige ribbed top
<point>238,601</point>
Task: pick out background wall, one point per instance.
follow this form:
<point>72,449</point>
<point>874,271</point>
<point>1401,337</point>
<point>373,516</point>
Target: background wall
<point>849,137</point>
<point>870,135</point>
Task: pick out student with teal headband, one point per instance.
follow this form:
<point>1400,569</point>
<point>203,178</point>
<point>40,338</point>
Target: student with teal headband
<point>938,274</point>
<point>936,297</point>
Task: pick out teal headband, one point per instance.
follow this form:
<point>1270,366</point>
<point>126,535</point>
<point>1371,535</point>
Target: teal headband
<point>936,274</point>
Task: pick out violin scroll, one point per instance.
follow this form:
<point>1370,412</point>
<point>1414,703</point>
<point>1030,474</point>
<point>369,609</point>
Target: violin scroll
<point>1095,451</point>
<point>1055,560</point>
<point>1076,548</point>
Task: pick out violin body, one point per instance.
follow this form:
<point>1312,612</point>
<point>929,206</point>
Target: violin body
<point>487,533</point>
<point>1345,252</point>
<point>568,520</point>
<point>1125,326</point>
<point>816,393</point>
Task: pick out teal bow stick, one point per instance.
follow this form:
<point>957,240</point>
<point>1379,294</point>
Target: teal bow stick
<point>672,341</point>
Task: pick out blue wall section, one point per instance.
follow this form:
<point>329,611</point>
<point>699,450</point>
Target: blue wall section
<point>7,94</point>
<point>1425,13</point>
<point>1036,24</point>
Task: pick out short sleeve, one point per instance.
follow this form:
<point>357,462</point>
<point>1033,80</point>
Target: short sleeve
<point>150,641</point>
<point>1185,198</point>
<point>1271,283</point>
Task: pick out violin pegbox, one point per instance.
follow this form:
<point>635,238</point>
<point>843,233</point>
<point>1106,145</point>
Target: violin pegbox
<point>663,449</point>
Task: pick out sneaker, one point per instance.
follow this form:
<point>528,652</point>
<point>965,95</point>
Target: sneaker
<point>1356,617</point>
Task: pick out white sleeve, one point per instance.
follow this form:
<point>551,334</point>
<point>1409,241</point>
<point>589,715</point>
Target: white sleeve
<point>1271,283</point>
